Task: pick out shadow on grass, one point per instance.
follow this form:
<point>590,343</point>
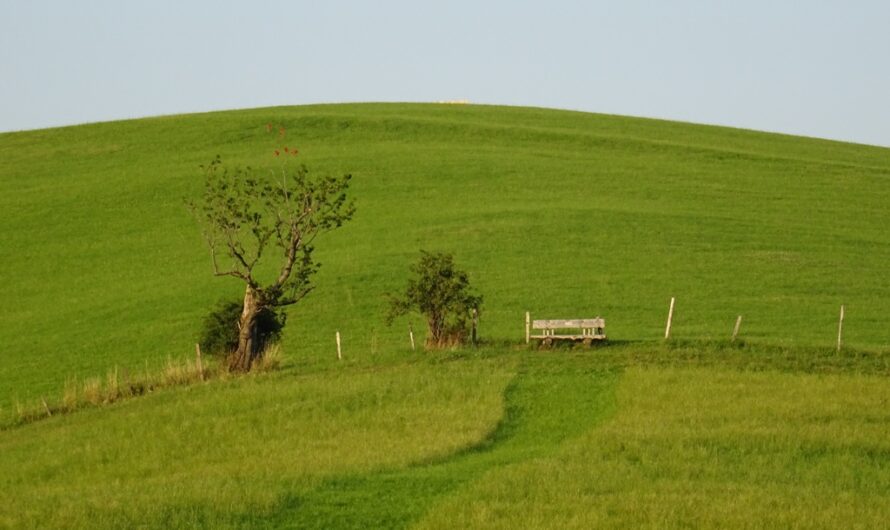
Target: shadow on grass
<point>545,404</point>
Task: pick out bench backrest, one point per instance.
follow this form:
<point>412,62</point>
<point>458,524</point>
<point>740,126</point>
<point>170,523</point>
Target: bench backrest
<point>565,324</point>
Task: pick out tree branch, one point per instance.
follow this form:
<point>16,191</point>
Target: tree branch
<point>236,253</point>
<point>234,272</point>
<point>244,217</point>
<point>290,259</point>
<point>296,297</point>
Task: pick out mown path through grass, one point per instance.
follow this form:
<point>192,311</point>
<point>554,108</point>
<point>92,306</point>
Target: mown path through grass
<point>549,401</point>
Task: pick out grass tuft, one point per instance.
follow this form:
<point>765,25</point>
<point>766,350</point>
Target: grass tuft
<point>70,395</point>
<point>272,359</point>
<point>92,391</point>
<point>112,385</point>
<point>176,372</point>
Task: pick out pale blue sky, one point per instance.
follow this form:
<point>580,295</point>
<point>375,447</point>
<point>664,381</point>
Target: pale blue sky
<point>816,68</point>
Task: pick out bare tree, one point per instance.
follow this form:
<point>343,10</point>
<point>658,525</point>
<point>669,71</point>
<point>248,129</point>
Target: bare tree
<point>245,214</point>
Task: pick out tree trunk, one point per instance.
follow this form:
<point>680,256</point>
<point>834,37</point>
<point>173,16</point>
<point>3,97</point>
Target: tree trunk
<point>248,341</point>
<point>434,331</point>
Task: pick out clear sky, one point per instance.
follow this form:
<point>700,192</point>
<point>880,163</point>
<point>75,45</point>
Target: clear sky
<point>816,68</point>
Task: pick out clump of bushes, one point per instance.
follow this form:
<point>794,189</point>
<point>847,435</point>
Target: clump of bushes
<point>219,332</point>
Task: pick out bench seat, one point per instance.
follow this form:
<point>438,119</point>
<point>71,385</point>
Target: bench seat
<point>583,329</point>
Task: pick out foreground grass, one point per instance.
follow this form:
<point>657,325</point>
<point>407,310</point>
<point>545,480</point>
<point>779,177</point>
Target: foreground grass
<point>704,447</point>
<point>548,402</point>
<point>206,454</point>
<point>628,435</point>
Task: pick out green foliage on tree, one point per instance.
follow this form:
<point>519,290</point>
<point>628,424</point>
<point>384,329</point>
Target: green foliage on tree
<point>247,215</point>
<point>442,294</point>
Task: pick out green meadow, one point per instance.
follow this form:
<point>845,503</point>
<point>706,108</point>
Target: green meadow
<point>559,213</point>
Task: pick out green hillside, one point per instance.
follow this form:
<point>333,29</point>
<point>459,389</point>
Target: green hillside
<point>563,214</point>
<point>557,213</point>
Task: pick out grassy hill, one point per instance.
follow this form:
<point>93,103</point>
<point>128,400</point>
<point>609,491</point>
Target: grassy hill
<point>559,213</point>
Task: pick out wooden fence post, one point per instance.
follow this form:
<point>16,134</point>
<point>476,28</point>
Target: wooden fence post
<point>528,326</point>
<point>198,364</point>
<point>667,329</point>
<point>339,354</point>
<point>840,330</point>
<point>475,324</point>
<point>735,331</point>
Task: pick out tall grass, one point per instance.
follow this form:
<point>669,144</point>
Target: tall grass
<point>705,447</point>
<point>530,438</point>
<point>209,455</point>
<point>92,393</point>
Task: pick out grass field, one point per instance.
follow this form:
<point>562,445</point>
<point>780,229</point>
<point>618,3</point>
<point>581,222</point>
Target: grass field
<point>492,439</point>
<point>559,213</point>
<point>693,447</point>
<point>209,454</point>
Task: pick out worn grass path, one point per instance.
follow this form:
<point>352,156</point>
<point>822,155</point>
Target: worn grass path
<point>559,400</point>
<point>548,402</point>
<point>670,435</point>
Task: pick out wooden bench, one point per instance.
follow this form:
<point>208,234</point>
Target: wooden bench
<point>586,330</point>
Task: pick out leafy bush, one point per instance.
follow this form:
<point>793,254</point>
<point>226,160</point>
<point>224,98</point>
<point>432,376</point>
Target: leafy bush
<point>442,294</point>
<point>219,333</point>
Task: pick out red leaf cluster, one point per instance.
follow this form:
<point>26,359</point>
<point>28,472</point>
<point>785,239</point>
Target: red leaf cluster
<point>292,151</point>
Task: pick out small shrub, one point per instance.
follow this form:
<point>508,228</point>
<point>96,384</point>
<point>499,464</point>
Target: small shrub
<point>219,332</point>
<point>442,294</point>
